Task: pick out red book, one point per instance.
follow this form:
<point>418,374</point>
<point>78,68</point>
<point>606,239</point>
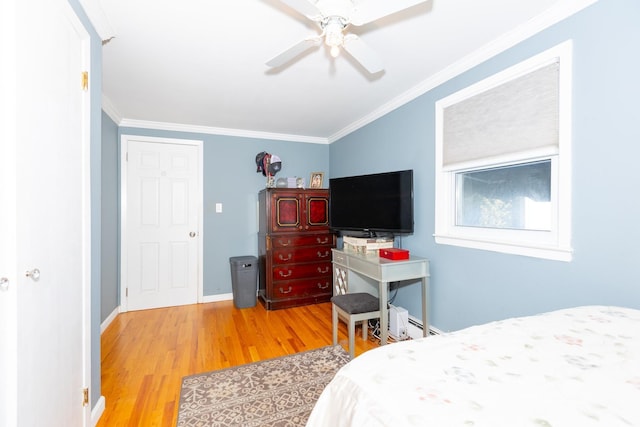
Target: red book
<point>394,253</point>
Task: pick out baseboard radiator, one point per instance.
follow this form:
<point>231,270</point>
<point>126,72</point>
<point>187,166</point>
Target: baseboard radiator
<point>415,328</point>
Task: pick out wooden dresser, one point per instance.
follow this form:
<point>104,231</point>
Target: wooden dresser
<point>294,247</point>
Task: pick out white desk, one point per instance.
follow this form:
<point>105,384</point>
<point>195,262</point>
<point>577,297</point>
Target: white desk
<point>383,271</point>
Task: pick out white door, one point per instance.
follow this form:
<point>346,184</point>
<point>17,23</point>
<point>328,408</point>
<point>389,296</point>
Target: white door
<point>162,231</point>
<point>45,216</point>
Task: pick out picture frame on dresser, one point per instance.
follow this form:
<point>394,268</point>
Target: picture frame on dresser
<point>316,180</point>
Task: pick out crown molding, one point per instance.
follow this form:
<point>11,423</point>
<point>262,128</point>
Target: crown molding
<point>543,21</point>
<point>98,19</point>
<point>110,109</point>
<point>220,131</point>
<point>114,114</point>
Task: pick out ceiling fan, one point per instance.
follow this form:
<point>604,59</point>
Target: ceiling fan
<point>333,17</point>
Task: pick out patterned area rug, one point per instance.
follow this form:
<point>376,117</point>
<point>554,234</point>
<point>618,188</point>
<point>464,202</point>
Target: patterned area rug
<point>274,392</point>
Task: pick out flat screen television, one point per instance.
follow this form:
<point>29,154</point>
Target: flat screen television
<point>371,205</point>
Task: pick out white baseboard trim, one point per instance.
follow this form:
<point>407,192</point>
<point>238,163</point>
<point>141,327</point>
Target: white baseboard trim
<point>217,298</point>
<point>415,328</point>
<point>109,319</point>
<point>205,299</point>
<point>97,411</point>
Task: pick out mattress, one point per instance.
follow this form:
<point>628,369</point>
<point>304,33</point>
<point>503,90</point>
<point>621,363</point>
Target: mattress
<point>572,367</point>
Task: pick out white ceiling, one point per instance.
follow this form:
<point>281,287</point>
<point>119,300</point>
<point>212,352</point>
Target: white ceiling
<point>200,64</point>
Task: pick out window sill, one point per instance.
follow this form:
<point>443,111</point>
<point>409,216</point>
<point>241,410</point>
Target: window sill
<point>546,252</point>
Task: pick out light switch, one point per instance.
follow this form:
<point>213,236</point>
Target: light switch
<point>218,207</point>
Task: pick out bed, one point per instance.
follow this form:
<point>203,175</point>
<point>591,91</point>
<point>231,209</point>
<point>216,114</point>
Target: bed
<point>572,367</point>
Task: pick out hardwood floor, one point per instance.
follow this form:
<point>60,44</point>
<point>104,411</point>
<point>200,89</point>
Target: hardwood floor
<point>146,353</point>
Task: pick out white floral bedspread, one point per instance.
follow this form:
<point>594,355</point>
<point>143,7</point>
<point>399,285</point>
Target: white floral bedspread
<point>575,367</point>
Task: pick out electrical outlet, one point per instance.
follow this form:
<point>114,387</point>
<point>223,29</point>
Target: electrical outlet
<point>218,207</point>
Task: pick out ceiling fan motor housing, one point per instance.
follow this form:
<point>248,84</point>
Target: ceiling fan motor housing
<point>333,26</point>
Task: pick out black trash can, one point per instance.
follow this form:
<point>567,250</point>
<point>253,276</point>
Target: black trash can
<point>244,280</point>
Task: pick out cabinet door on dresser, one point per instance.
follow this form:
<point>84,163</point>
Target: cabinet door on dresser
<point>316,210</point>
<point>295,247</point>
<point>298,210</point>
<point>284,211</point>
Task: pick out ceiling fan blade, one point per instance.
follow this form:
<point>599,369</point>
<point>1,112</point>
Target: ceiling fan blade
<point>362,53</point>
<point>305,7</point>
<point>369,10</point>
<point>294,51</point>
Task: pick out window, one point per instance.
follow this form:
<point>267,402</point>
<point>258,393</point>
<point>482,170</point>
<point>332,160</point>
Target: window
<point>503,160</point>
<point>514,197</point>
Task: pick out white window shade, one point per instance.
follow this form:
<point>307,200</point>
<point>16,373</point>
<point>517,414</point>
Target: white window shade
<point>515,116</point>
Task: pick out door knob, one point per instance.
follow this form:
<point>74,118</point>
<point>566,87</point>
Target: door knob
<point>192,234</point>
<point>4,284</point>
<point>33,274</point>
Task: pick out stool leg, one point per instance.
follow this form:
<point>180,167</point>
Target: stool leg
<point>365,329</point>
<point>334,321</point>
<point>352,333</point>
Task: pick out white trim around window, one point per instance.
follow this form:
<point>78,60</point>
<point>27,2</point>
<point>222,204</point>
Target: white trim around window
<point>554,244</point>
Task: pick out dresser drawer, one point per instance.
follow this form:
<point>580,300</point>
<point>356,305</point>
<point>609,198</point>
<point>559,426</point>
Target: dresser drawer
<point>302,240</point>
<point>300,271</point>
<point>302,288</point>
<point>296,255</point>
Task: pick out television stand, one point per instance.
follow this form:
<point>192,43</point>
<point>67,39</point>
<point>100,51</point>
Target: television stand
<point>383,271</point>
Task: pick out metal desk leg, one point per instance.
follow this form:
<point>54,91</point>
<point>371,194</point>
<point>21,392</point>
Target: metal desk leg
<point>384,316</point>
<point>425,307</point>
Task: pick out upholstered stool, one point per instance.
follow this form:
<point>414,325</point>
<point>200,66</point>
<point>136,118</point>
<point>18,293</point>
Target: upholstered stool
<point>352,308</point>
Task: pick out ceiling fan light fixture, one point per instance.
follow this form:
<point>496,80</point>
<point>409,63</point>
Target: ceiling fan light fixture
<point>333,36</point>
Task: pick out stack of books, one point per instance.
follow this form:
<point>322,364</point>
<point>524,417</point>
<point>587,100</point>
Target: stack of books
<point>366,245</point>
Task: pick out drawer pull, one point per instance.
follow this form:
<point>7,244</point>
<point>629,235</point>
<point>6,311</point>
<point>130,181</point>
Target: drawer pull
<point>282,291</point>
<point>323,270</point>
<point>325,286</point>
<point>283,258</point>
<point>284,243</point>
<point>281,273</point>
<point>322,241</point>
<point>326,254</point>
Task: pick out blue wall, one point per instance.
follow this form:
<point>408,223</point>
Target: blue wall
<point>230,178</point>
<point>471,286</point>
<point>110,209</point>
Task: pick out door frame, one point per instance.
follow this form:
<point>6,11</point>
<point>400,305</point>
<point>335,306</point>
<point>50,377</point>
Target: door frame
<point>124,141</point>
<point>87,222</point>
